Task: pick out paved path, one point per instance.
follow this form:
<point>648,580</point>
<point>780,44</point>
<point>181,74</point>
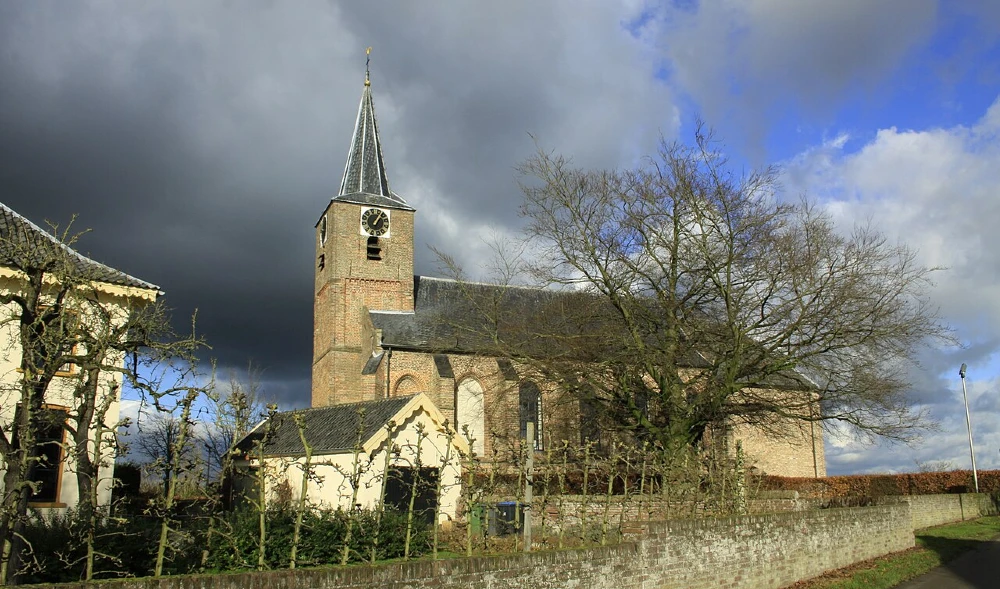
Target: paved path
<point>979,569</point>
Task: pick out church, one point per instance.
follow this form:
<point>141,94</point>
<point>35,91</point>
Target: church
<point>380,332</point>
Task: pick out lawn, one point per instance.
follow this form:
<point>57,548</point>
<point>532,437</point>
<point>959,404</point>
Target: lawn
<point>935,546</point>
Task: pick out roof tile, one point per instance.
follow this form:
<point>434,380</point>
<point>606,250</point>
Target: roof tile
<point>328,430</point>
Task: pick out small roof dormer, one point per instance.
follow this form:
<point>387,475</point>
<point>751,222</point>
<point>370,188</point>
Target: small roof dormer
<point>365,181</point>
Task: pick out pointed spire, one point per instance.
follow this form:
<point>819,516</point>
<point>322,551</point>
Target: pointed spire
<point>364,179</point>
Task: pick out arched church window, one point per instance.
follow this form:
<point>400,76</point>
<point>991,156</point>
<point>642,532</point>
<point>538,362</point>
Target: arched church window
<point>530,410</point>
<point>374,249</point>
<point>470,411</point>
<point>407,385</point>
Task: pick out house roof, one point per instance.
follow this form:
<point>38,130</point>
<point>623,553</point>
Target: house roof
<point>23,243</point>
<point>365,181</point>
<point>328,430</point>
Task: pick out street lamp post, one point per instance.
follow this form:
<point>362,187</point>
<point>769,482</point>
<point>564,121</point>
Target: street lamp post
<point>968,423</point>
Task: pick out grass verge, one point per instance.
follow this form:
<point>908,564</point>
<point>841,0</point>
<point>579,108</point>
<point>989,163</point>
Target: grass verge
<point>935,546</point>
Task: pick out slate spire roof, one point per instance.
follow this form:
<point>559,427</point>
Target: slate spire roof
<point>22,242</point>
<point>365,181</point>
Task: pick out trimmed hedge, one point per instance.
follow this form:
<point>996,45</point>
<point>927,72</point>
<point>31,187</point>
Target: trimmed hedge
<point>880,485</point>
<point>128,545</point>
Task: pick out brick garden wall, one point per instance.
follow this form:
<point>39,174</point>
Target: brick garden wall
<point>934,510</point>
<point>925,510</point>
<point>757,552</point>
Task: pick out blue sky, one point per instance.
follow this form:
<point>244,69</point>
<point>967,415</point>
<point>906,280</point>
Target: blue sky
<point>946,81</point>
<point>888,115</point>
<point>200,140</point>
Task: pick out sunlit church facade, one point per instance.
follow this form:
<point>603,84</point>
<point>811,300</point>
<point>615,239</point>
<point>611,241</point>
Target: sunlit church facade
<point>380,331</point>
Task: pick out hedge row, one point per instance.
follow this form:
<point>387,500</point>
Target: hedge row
<point>879,485</point>
<point>127,545</point>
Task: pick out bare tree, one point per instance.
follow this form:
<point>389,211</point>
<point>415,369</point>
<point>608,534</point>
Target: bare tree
<point>681,297</point>
<point>167,455</point>
<point>179,400</point>
<point>232,415</point>
<point>308,475</point>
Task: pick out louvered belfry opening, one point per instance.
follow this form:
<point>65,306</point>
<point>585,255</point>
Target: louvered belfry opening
<point>374,249</point>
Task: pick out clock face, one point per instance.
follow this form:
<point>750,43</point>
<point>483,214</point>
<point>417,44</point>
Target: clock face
<point>375,222</point>
<point>322,230</point>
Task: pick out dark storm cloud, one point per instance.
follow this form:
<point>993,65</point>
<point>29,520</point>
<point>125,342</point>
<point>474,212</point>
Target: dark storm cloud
<point>470,85</point>
<point>118,130</point>
<point>747,62</point>
<point>200,141</point>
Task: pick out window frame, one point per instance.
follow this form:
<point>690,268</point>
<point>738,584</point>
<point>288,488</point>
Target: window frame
<point>60,443</point>
<point>373,249</point>
<point>524,389</point>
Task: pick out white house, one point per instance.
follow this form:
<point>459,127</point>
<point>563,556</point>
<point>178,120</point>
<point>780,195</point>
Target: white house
<point>100,298</point>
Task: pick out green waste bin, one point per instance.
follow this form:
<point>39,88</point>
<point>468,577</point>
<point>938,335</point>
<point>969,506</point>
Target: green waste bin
<point>477,516</point>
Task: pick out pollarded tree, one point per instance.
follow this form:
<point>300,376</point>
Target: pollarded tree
<point>686,297</point>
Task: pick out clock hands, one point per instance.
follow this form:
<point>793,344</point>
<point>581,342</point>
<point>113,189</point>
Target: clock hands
<point>375,222</point>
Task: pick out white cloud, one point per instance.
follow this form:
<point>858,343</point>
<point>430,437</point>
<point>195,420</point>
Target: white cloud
<point>937,191</point>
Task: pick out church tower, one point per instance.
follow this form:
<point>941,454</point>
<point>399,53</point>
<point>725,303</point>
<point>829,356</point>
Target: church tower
<point>364,261</point>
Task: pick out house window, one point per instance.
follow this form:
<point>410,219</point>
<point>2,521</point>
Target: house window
<point>374,249</point>
<point>46,470</point>
<point>530,410</point>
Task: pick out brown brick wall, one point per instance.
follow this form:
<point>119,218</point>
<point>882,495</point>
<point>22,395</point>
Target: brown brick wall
<point>413,372</point>
<point>346,285</point>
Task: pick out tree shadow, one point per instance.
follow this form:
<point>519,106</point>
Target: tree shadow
<point>976,562</point>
